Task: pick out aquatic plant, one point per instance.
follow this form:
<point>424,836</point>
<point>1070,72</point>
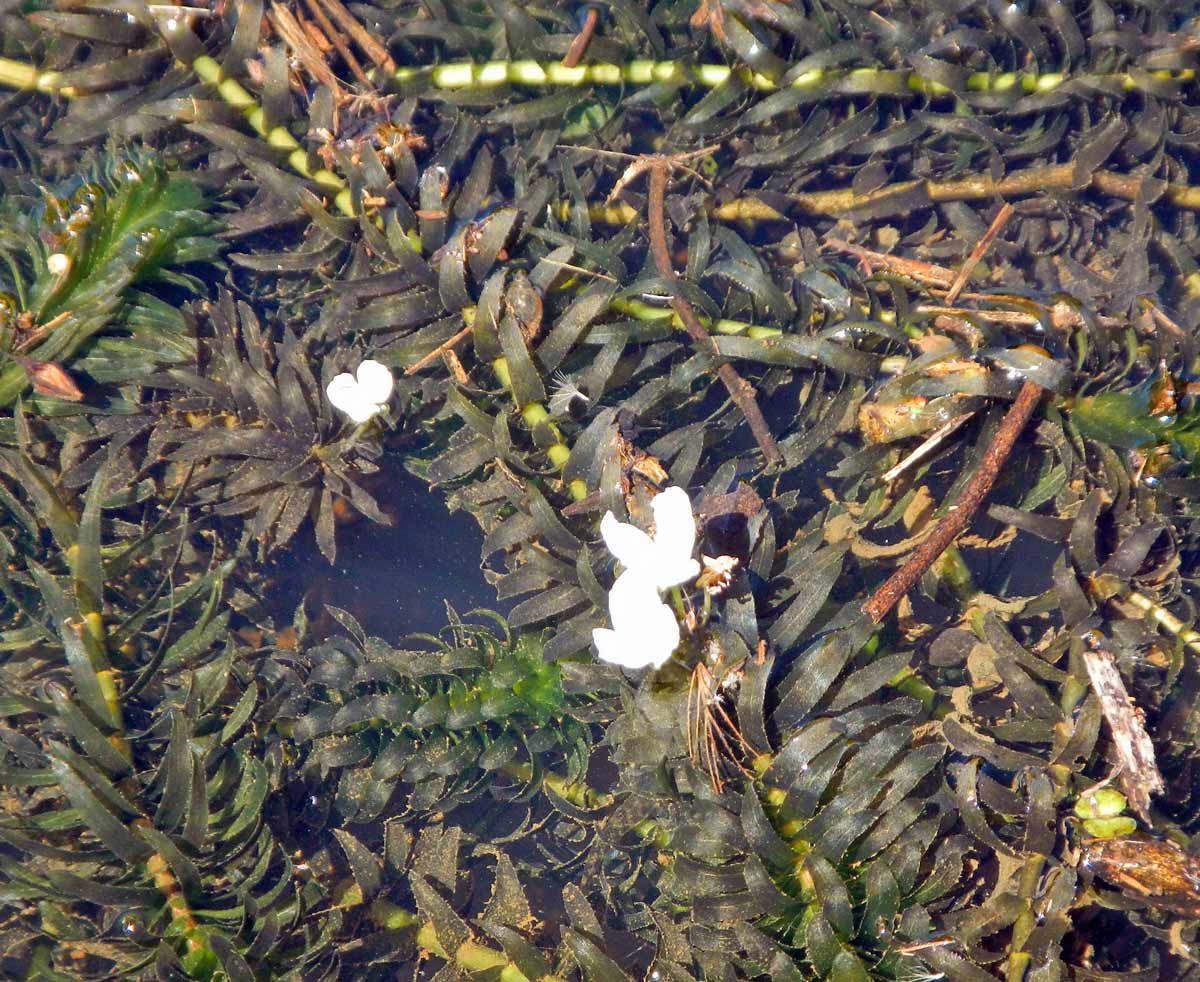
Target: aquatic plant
<point>448,721</point>
<point>245,425</point>
<point>133,834</point>
<point>952,616</point>
<point>84,268</point>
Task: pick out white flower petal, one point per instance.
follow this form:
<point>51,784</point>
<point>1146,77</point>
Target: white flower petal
<point>343,394</point>
<point>632,598</point>
<point>647,633</point>
<point>632,547</point>
<point>614,648</point>
<point>673,570</point>
<point>674,526</point>
<point>375,382</point>
<point>659,636</point>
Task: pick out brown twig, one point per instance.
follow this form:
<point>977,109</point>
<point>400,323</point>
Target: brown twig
<point>290,29</point>
<point>740,390</point>
<point>960,514</point>
<point>579,46</point>
<point>437,352</point>
<point>982,246</point>
<point>338,40</point>
<point>375,51</point>
<point>923,272</point>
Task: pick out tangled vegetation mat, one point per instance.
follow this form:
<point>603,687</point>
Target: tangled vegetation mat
<point>895,304</point>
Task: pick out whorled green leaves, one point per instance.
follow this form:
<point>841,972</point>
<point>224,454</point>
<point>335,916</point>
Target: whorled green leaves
<point>137,782</point>
<point>84,270</point>
<point>474,715</point>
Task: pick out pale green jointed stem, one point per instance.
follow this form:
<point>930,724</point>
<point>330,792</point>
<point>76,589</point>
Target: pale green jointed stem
<point>467,75</point>
<point>25,78</point>
<point>1166,620</point>
<point>278,137</point>
<point>18,75</point>
<point>645,312</point>
<point>534,413</point>
<point>470,75</point>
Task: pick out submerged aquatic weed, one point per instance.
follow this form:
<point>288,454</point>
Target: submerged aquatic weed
<point>824,798</point>
<point>81,271</point>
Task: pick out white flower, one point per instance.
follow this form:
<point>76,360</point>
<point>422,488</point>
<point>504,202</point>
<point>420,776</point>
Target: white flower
<point>665,559</point>
<point>363,396</point>
<point>645,631</point>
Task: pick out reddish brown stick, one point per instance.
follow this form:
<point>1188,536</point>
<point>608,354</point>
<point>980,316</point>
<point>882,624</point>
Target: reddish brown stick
<point>957,519</point>
<point>579,46</point>
<point>977,253</point>
<point>741,391</point>
<point>339,41</point>
<point>437,352</point>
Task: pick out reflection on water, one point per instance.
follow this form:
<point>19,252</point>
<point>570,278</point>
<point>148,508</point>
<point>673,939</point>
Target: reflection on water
<point>393,578</point>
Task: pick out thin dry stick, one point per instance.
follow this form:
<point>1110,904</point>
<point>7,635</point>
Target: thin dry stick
<point>982,246</point>
<point>338,39</point>
<point>293,33</point>
<point>375,51</point>
<point>922,272</point>
<point>437,352</point>
<point>960,514</point>
<point>928,444</point>
<point>579,46</point>
<point>740,390</point>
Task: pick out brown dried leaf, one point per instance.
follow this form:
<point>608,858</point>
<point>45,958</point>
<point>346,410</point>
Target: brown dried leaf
<point>1139,777</point>
<point>1157,871</point>
<point>51,379</point>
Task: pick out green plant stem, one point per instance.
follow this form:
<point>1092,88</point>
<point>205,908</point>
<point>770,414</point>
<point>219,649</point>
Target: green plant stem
<point>208,70</point>
<point>645,312</point>
<point>577,793</point>
<point>1019,959</point>
<point>472,958</point>
<point>535,414</point>
<point>852,81</point>
<point>25,78</point>
<point>19,75</point>
<point>836,202</point>
<point>1166,620</point>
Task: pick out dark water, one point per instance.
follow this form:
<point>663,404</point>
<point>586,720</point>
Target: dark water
<point>396,579</point>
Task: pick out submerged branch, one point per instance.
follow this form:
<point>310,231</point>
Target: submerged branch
<point>961,512</point>
<point>740,390</point>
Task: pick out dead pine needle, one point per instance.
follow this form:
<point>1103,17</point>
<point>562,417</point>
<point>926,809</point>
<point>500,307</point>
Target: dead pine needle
<point>739,389</point>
